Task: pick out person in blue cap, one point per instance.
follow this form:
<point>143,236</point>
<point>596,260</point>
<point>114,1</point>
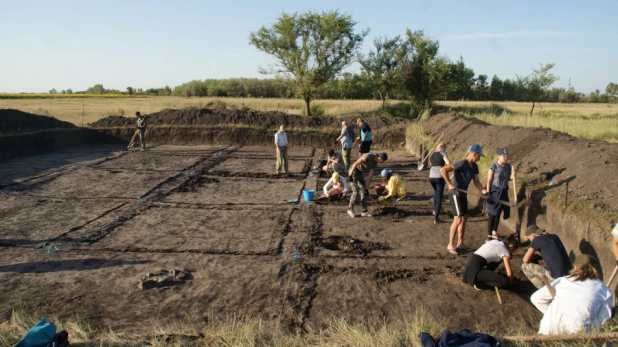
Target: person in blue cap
<point>498,177</point>
<point>393,185</point>
<point>368,161</point>
<point>465,171</point>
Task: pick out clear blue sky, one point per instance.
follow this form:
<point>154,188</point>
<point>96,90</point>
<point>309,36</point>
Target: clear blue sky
<point>76,44</point>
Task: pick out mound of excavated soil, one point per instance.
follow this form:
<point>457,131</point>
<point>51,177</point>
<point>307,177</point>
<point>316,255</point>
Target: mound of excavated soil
<point>589,166</point>
<point>267,120</point>
<point>15,121</point>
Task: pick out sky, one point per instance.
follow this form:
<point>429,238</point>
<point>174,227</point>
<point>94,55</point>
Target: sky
<point>149,44</point>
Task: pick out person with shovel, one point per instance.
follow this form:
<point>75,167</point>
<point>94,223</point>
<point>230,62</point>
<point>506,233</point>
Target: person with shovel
<point>438,159</point>
<point>465,171</point>
<point>393,185</point>
<point>365,136</point>
<point>582,302</point>
<point>346,143</point>
<point>498,177</point>
<point>140,131</point>
<point>554,255</point>
<point>281,144</point>
<point>480,268</point>
<point>368,161</point>
<point>336,187</point>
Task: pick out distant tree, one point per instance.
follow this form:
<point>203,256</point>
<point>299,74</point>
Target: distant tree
<point>311,48</point>
<point>381,66</point>
<point>424,72</point>
<point>461,79</point>
<point>130,90</point>
<point>96,89</point>
<point>612,90</point>
<point>53,91</point>
<point>481,88</point>
<point>536,84</point>
<point>495,89</point>
<point>69,91</point>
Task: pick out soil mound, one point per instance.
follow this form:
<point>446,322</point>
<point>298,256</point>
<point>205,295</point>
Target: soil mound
<point>15,121</point>
<point>223,115</point>
<point>541,153</point>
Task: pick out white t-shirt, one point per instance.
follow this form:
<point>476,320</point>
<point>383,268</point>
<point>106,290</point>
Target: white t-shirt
<point>329,185</point>
<point>493,251</point>
<point>578,306</point>
<point>615,231</point>
<point>281,139</point>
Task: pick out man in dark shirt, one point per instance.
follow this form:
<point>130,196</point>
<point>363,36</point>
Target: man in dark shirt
<point>464,171</point>
<point>553,252</point>
<point>357,181</point>
<point>365,136</point>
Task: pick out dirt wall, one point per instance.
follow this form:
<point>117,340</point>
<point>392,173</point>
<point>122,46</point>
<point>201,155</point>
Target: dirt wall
<point>540,154</point>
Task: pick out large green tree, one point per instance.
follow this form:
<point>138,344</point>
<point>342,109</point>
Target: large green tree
<point>381,66</point>
<point>311,48</point>
<point>537,84</point>
<point>424,71</point>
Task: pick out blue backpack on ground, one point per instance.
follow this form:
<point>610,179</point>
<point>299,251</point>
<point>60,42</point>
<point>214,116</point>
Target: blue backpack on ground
<point>43,334</point>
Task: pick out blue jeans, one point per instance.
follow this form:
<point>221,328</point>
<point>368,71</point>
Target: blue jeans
<point>438,192</point>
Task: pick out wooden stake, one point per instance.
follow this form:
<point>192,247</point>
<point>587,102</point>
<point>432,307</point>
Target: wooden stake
<point>498,294</point>
<point>611,278</point>
<point>551,289</point>
<point>567,337</point>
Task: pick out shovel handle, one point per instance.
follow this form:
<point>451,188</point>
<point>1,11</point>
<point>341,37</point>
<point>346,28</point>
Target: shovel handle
<point>551,289</point>
<point>611,278</point>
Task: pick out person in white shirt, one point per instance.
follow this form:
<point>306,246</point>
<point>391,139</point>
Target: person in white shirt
<point>582,301</point>
<point>481,266</point>
<point>336,187</point>
<point>281,143</point>
<point>615,242</point>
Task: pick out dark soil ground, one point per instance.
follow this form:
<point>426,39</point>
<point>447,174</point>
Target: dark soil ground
<point>77,241</point>
<point>15,121</point>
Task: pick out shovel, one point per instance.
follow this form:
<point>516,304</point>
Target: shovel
<point>505,203</point>
<point>422,166</point>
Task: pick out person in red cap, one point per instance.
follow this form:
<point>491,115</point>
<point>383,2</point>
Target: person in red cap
<point>465,171</point>
<point>438,159</point>
<point>498,177</point>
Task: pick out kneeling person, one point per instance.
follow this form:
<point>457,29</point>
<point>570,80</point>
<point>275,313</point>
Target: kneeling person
<point>554,255</point>
<point>336,187</point>
<point>393,184</point>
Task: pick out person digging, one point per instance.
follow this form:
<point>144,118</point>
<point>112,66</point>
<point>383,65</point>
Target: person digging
<point>336,187</point>
<point>553,253</point>
<point>140,131</point>
<point>465,171</point>
<point>334,163</point>
<point>367,161</point>
<point>392,185</point>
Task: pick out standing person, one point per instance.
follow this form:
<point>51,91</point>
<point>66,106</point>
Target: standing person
<point>357,179</point>
<point>346,143</point>
<point>334,163</point>
<point>438,159</point>
<point>336,187</point>
<point>582,302</point>
<point>393,185</point>
<point>481,266</point>
<point>498,177</point>
<point>465,171</point>
<point>140,131</point>
<point>365,136</point>
<point>553,252</point>
<point>281,143</point>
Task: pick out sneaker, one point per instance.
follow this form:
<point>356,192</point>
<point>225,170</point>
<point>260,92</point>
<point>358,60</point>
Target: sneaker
<point>366,214</point>
<point>477,288</point>
<point>433,213</point>
<point>495,236</point>
<point>351,213</point>
<point>143,149</point>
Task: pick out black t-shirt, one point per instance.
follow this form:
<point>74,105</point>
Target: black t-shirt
<point>553,253</point>
<point>464,173</point>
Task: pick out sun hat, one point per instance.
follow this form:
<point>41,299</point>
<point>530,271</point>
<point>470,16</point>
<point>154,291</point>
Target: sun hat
<point>386,172</point>
<point>382,155</point>
<point>503,152</point>
<point>533,229</point>
<point>477,149</point>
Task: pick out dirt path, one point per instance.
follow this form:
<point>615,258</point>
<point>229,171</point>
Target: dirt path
<point>211,236</point>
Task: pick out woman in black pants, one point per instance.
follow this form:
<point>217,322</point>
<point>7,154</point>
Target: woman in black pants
<point>481,266</point>
<point>498,177</point>
<point>438,159</point>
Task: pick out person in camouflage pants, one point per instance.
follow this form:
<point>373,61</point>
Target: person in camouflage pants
<point>140,131</point>
<point>357,180</point>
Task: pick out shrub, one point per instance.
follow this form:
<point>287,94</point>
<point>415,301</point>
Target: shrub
<point>316,110</point>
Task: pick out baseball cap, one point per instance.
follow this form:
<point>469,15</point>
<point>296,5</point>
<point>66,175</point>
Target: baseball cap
<point>442,144</point>
<point>503,152</point>
<point>533,229</point>
<point>477,149</point>
<point>382,155</point>
<point>583,259</point>
<point>335,177</point>
<point>385,172</point>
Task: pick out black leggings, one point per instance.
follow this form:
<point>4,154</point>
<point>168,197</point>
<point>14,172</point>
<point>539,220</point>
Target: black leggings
<point>490,277</point>
<point>492,223</point>
<point>438,193</point>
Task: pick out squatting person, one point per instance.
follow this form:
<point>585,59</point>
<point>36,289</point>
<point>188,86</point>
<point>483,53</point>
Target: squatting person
<point>553,253</point>
<point>334,163</point>
<point>336,187</point>
<point>357,180</point>
<point>465,171</point>
<point>393,185</point>
<point>481,266</point>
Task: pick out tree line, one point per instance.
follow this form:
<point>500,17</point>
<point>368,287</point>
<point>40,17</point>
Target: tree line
<point>312,50</point>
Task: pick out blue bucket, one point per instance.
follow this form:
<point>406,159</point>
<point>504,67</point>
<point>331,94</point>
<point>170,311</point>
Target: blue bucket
<point>308,195</point>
